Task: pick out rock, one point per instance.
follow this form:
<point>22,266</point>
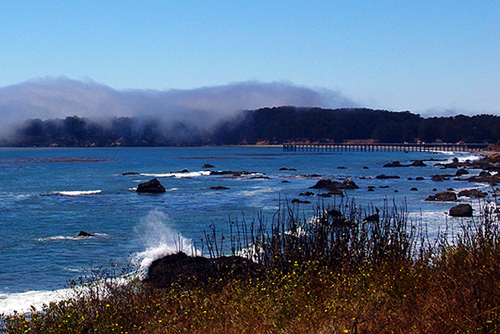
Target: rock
<point>189,271</point>
<point>218,188</point>
<point>472,193</point>
<point>85,234</point>
<point>331,185</point>
<point>373,218</point>
<point>413,189</point>
<point>152,186</point>
<point>461,172</point>
<point>419,178</point>
<point>129,173</point>
<point>207,166</point>
<point>439,178</point>
<point>298,201</point>
<point>393,164</point>
<point>336,192</point>
<point>461,210</point>
<point>444,196</point>
<point>418,163</point>
<point>365,167</point>
<point>484,173</point>
<point>307,193</point>
<point>383,177</point>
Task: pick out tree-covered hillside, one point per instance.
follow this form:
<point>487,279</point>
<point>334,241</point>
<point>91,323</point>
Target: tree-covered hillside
<point>266,125</point>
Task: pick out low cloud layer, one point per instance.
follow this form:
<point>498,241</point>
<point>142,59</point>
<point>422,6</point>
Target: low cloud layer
<point>61,97</point>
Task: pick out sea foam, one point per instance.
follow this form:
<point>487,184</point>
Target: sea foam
<point>159,239</point>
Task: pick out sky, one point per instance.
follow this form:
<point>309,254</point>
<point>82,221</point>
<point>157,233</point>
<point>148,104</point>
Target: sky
<point>435,57</point>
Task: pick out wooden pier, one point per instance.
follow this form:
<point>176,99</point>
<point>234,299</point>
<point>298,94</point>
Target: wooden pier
<point>328,147</point>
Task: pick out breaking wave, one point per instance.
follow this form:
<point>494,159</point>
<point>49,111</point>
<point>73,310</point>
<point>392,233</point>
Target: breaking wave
<point>159,239</point>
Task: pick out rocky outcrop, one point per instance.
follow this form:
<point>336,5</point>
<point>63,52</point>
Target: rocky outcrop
<point>445,196</point>
<point>461,210</point>
<point>207,166</point>
<point>195,271</point>
<point>416,163</point>
<point>472,193</point>
<point>152,187</point>
<point>85,234</point>
<point>331,185</point>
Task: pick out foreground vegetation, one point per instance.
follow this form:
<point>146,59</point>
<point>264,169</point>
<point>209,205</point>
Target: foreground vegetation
<point>343,272</point>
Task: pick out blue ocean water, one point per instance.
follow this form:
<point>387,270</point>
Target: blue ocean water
<point>49,195</point>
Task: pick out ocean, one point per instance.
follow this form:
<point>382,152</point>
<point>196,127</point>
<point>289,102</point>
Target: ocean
<point>49,195</point>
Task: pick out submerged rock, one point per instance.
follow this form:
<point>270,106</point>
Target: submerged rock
<point>152,186</point>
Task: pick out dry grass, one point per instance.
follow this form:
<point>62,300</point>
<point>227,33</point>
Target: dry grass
<point>361,277</point>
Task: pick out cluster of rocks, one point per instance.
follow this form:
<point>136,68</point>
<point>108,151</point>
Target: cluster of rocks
<point>416,163</point>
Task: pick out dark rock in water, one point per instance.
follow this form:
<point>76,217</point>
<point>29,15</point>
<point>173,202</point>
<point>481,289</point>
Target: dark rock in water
<point>285,181</point>
<point>439,178</point>
<point>413,189</point>
<point>331,185</point>
<point>298,201</point>
<point>152,186</point>
<point>365,167</point>
<point>484,173</point>
<point>371,189</point>
<point>207,166</point>
<point>461,210</point>
<point>444,196</point>
<point>373,218</point>
<point>85,234</point>
<point>419,178</point>
<point>129,173</point>
<point>472,193</point>
<point>418,163</point>
<point>461,172</point>
<point>307,193</point>
<point>219,188</point>
<point>384,177</point>
<point>188,271</point>
<point>336,192</point>
<point>393,164</point>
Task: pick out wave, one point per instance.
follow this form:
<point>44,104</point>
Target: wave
<point>178,174</point>
<point>21,302</point>
<point>72,193</point>
<point>73,238</point>
<point>159,239</point>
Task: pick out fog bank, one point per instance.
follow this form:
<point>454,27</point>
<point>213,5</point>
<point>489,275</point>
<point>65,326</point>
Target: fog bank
<point>48,98</point>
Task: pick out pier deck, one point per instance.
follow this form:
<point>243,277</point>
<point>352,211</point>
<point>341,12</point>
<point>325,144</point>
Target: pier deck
<point>340,147</point>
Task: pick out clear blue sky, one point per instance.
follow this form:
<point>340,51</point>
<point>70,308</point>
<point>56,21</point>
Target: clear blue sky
<point>420,56</point>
